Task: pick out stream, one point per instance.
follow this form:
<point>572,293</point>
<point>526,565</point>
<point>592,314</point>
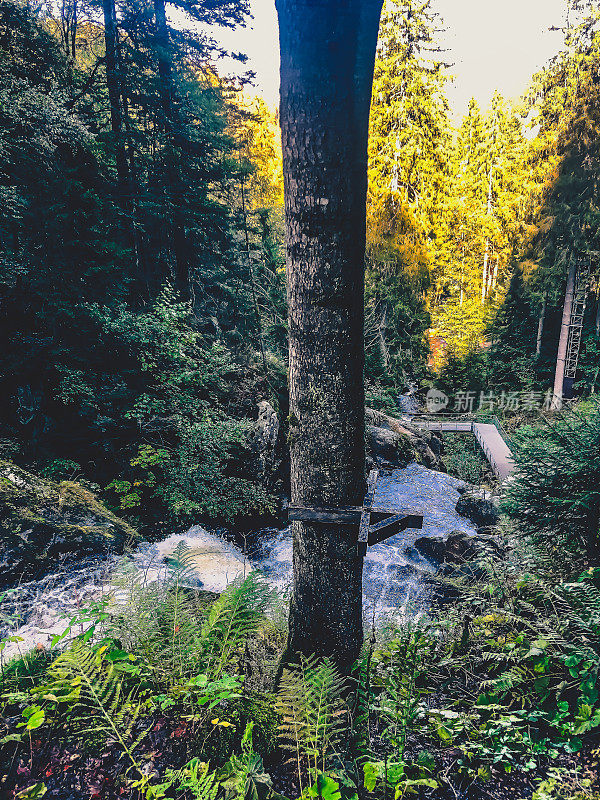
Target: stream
<point>394,582</point>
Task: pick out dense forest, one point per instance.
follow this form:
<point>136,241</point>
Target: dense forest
<point>167,363</point>
<point>142,287</point>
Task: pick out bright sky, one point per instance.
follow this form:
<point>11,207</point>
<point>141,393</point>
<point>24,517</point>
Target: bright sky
<point>494,44</point>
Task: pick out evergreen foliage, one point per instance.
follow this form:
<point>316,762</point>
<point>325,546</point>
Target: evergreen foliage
<point>409,139</point>
<point>513,339</point>
<point>554,495</point>
<point>125,298</point>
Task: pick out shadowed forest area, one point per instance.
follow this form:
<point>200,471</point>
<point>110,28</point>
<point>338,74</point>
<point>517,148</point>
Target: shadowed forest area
<point>187,357</point>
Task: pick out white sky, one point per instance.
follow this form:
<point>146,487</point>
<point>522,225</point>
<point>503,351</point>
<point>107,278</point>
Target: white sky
<point>494,44</point>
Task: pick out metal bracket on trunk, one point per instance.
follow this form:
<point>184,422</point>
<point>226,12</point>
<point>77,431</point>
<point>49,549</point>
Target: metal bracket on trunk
<point>374,524</point>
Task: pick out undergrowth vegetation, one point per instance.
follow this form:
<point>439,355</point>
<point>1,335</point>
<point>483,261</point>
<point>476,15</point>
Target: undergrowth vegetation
<point>169,692</point>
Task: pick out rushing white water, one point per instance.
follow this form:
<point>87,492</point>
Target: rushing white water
<point>394,571</point>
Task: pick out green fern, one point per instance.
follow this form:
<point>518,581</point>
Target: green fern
<point>314,717</point>
<point>167,623</point>
<point>363,697</point>
<point>398,667</point>
<point>585,600</point>
<point>509,680</point>
<point>233,617</point>
<point>194,777</point>
<point>96,703</point>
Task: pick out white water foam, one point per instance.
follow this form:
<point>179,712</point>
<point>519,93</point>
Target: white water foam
<point>394,572</point>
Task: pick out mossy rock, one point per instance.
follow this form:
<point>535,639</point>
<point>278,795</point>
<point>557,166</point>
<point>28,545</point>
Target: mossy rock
<point>45,525</point>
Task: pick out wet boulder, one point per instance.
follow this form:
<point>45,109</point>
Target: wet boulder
<point>458,548</point>
<point>44,525</point>
<point>480,507</point>
<point>431,547</point>
<point>388,448</point>
<point>417,444</point>
<point>461,547</point>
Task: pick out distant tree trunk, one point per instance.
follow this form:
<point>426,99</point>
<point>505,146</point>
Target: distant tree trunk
<point>163,54</point>
<point>597,323</point>
<point>561,356</point>
<point>175,193</point>
<point>113,84</point>
<point>383,348</point>
<point>541,321</point>
<point>485,271</point>
<point>493,276</point>
<point>327,60</point>
<point>487,241</point>
<point>118,119</point>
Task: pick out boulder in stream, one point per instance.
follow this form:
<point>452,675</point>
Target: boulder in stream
<point>479,506</point>
<point>391,442</point>
<point>45,525</point>
<point>459,549</point>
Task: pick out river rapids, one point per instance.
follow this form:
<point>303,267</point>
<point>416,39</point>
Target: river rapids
<point>395,573</point>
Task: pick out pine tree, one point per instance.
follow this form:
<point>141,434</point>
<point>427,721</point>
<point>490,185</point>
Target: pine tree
<point>483,222</point>
<point>408,150</point>
<point>513,333</point>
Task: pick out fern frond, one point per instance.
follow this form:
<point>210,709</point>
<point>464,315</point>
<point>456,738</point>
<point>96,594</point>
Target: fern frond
<point>233,617</point>
<point>313,715</point>
<point>362,704</point>
<point>198,780</point>
<point>93,688</point>
<point>515,676</point>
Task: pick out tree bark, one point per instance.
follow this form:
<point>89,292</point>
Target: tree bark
<point>487,241</point>
<point>559,374</point>
<point>540,330</point>
<point>484,274</point>
<point>327,61</point>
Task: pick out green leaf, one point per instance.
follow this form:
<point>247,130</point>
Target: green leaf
<point>35,720</point>
<point>32,792</point>
<point>325,788</point>
<point>371,774</point>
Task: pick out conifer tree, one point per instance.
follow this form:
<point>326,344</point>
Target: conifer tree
<point>410,138</point>
<point>513,333</point>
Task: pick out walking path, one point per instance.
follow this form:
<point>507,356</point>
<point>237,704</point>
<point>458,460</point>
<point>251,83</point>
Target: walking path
<point>487,434</point>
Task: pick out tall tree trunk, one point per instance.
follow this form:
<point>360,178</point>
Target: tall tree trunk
<point>561,356</point>
<point>257,315</point>
<point>118,120</point>
<point>493,276</point>
<point>327,60</point>
<point>383,348</point>
<point>165,69</point>
<point>485,271</point>
<point>487,241</point>
<point>113,84</point>
<point>540,330</point>
<point>174,212</point>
